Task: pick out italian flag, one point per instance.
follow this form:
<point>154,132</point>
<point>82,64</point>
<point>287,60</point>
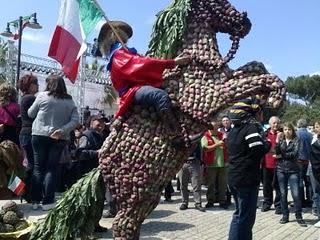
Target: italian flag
<point>77,18</point>
<point>16,185</point>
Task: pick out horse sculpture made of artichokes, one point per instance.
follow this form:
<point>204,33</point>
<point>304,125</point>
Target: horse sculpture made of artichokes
<point>138,160</point>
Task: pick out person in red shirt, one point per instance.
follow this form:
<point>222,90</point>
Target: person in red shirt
<point>270,181</point>
<point>9,114</point>
<point>136,78</point>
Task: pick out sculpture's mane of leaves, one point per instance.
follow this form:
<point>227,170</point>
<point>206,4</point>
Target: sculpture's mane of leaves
<point>169,29</point>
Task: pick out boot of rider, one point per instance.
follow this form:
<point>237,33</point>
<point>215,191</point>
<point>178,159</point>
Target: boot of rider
<point>172,123</point>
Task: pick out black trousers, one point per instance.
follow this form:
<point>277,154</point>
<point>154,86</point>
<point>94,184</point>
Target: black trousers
<point>168,190</point>
<point>270,182</point>
<point>305,195</point>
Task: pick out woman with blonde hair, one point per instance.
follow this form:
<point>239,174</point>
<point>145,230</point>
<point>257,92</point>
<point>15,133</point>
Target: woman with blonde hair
<point>9,113</point>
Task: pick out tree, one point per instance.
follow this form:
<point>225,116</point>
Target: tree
<point>305,87</point>
<point>3,54</point>
<point>305,90</point>
<point>110,96</point>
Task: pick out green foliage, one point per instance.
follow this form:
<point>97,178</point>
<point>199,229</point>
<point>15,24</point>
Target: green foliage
<point>292,112</point>
<point>3,52</point>
<point>305,87</point>
<point>110,96</point>
<point>77,213</point>
<point>306,90</point>
<point>2,78</point>
<point>95,65</point>
<point>169,29</point>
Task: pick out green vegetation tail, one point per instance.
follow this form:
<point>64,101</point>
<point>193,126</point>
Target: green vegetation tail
<point>77,213</point>
<point>169,29</point>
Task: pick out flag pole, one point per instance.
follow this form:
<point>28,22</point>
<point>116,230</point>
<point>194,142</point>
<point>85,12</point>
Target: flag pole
<point>112,28</point>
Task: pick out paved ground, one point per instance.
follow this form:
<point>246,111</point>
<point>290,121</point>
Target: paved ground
<point>168,222</point>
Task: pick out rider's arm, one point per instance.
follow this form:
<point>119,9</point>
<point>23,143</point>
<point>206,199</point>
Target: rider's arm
<point>139,69</point>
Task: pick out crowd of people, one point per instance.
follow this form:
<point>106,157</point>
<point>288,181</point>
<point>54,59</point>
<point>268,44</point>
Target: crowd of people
<point>233,157</point>
<point>238,156</point>
<point>57,149</point>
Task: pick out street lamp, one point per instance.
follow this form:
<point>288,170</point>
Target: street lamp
<point>20,23</point>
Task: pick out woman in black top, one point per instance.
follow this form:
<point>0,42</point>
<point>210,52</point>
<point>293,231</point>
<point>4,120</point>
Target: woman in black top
<point>28,85</point>
<point>288,172</point>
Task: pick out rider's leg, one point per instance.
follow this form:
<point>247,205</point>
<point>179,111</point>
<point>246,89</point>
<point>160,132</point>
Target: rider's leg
<point>158,98</point>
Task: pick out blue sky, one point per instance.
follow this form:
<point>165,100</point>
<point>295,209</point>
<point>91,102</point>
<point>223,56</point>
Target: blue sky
<point>285,35</point>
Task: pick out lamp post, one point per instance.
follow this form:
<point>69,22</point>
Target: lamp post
<point>20,23</point>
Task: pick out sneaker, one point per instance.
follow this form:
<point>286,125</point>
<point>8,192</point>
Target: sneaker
<point>209,205</point>
<point>284,220</point>
<point>199,207</point>
<point>35,206</point>
<point>317,225</point>
<point>301,222</point>
<point>108,214</point>
<point>47,207</point>
<point>278,211</point>
<point>265,208</point>
<point>183,206</point>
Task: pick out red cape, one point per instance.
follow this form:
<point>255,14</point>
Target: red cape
<point>131,71</point>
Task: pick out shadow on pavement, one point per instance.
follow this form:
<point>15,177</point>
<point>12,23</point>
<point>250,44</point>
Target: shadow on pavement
<point>160,214</point>
<point>107,235</point>
<point>150,238</point>
<point>150,228</point>
<point>311,221</point>
<point>157,226</point>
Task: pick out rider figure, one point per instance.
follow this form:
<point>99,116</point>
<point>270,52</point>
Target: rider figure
<point>137,79</point>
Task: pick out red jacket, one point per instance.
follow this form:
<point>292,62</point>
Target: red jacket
<point>269,161</point>
<point>209,157</point>
<point>131,71</point>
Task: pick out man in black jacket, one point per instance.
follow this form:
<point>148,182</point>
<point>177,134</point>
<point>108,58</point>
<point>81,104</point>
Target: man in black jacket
<point>89,145</point>
<point>246,146</point>
<point>88,151</point>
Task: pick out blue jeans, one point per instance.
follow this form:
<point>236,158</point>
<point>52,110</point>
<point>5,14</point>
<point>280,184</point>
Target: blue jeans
<point>316,193</point>
<point>292,179</point>
<point>245,214</point>
<point>25,142</point>
<point>47,154</point>
<point>151,96</point>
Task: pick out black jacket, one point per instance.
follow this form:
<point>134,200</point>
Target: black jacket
<point>25,104</point>
<point>246,145</point>
<point>289,152</point>
<point>315,158</point>
<point>90,142</point>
